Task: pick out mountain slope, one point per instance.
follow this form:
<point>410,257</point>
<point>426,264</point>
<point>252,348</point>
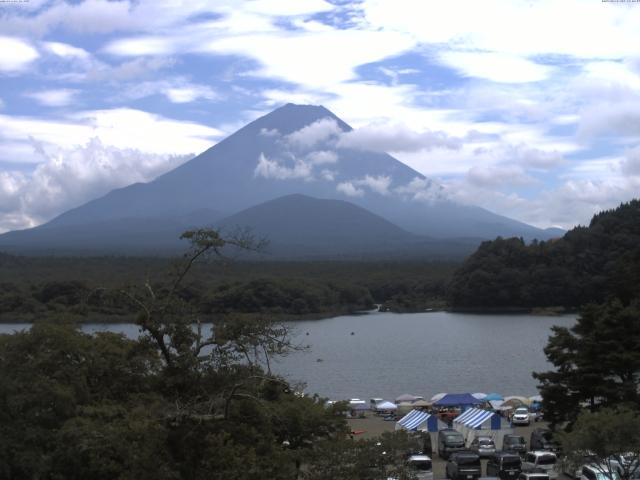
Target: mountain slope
<point>295,149</point>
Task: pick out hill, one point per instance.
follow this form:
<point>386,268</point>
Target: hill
<point>587,265</point>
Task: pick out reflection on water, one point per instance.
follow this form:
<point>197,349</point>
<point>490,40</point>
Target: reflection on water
<point>387,354</point>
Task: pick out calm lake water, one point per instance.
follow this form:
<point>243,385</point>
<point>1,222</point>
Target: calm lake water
<point>424,353</point>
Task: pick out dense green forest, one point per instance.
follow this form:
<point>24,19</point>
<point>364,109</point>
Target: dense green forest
<point>589,264</point>
<point>90,288</point>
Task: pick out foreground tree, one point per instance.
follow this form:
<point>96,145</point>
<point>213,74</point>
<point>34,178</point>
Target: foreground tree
<point>177,403</point>
<point>612,439</point>
<point>597,362</point>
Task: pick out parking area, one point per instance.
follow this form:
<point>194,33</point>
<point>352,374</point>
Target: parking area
<point>374,426</point>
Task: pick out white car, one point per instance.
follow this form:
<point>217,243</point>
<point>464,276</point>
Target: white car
<point>521,416</point>
<point>599,472</point>
<point>543,462</point>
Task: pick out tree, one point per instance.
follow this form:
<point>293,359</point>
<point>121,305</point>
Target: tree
<point>606,435</point>
<point>178,402</point>
<point>597,362</point>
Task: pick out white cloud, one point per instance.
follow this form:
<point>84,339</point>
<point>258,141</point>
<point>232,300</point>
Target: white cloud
<point>176,90</point>
<point>268,168</point>
<point>322,157</point>
<point>421,189</point>
<point>631,164</point>
<point>314,134</point>
<point>378,184</point>
<point>65,50</point>
<point>497,67</point>
<point>349,189</point>
<point>395,138</point>
<point>120,128</point>
<point>498,176</point>
<point>15,54</point>
<point>190,93</point>
<point>70,177</point>
<point>54,98</point>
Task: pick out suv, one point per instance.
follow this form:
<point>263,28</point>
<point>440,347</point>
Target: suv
<point>483,446</point>
<point>421,466</point>
<point>505,465</point>
<point>541,461</point>
<point>449,441</point>
<point>464,466</point>
<point>601,472</point>
<point>514,443</point>
<point>521,416</point>
<point>542,439</point>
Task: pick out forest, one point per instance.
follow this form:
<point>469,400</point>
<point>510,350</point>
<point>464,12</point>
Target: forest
<point>589,264</point>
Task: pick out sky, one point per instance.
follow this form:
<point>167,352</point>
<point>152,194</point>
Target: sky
<point>530,109</point>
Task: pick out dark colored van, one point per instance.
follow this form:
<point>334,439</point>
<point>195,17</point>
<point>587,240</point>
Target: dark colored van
<point>542,439</point>
<point>464,466</point>
<point>504,465</point>
<point>449,441</point>
<point>514,443</point>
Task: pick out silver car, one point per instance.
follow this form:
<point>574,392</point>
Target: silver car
<point>483,445</point>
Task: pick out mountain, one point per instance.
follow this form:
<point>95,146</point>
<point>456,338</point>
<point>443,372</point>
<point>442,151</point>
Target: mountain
<point>301,226</point>
<point>296,149</point>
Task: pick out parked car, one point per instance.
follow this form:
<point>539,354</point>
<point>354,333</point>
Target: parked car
<point>572,465</point>
<point>542,439</point>
<point>599,472</point>
<point>514,443</point>
<point>504,465</point>
<point>464,466</point>
<point>533,476</point>
<point>483,445</point>
<point>541,461</point>
<point>422,466</point>
<point>521,416</point>
<point>449,441</point>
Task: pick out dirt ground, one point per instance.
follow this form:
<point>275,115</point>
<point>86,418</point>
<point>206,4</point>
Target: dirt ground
<point>373,426</point>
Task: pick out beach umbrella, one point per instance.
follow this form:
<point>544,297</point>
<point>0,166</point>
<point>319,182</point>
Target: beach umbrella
<point>494,396</point>
<point>438,396</point>
<point>407,398</point>
<point>421,403</point>
<point>480,396</point>
<point>496,404</point>
<point>386,406</point>
<point>535,399</point>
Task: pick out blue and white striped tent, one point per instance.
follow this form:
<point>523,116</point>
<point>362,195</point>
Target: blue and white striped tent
<point>420,420</point>
<point>469,422</point>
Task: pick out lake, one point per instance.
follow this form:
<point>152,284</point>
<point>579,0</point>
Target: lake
<point>422,353</point>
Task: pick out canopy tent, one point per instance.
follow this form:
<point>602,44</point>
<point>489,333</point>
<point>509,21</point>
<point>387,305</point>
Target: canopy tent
<point>457,400</point>
<point>496,404</point>
<point>480,396</point>
<point>515,402</point>
<point>386,406</point>
<point>437,397</point>
<point>407,398</point>
<point>491,423</point>
<point>421,421</point>
<point>421,403</point>
<point>494,396</point>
